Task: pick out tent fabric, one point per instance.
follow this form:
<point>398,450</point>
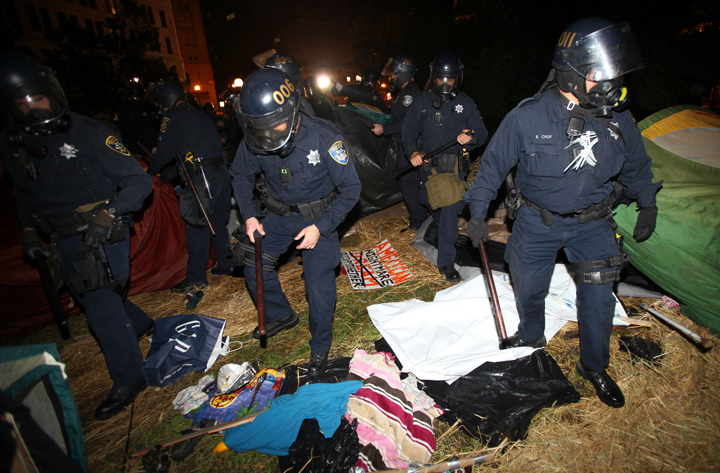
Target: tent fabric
<point>34,375</point>
<point>683,254</point>
<point>373,156</point>
<point>444,348</point>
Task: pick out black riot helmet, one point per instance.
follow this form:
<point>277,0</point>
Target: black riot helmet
<point>229,98</point>
<point>370,78</point>
<point>31,97</point>
<point>268,110</point>
<point>403,68</point>
<point>446,66</point>
<point>596,50</point>
<point>167,93</point>
<point>311,86</point>
<point>289,66</point>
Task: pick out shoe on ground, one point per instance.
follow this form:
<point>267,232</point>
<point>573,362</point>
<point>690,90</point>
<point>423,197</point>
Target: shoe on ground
<point>515,341</point>
<point>149,331</point>
<point>272,328</point>
<point>118,399</point>
<point>235,271</point>
<point>184,286</point>
<point>450,273</point>
<point>607,390</point>
<point>318,363</point>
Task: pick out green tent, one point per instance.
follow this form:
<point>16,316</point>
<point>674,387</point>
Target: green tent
<point>683,255</point>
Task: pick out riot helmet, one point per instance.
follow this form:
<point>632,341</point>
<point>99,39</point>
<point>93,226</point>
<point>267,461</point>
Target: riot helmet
<point>599,51</point>
<point>32,99</point>
<point>289,66</point>
<point>229,98</point>
<point>370,78</point>
<point>167,93</point>
<point>268,110</point>
<point>311,86</point>
<point>403,69</point>
<point>446,75</point>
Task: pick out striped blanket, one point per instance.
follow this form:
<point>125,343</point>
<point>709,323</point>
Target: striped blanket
<point>394,417</point>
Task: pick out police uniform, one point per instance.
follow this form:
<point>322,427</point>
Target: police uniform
<point>410,181</point>
<point>319,166</point>
<point>193,131</point>
<point>533,136</point>
<point>84,166</point>
<point>435,127</point>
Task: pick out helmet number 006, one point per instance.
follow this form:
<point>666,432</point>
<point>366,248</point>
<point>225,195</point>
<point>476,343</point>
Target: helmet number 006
<point>284,92</point>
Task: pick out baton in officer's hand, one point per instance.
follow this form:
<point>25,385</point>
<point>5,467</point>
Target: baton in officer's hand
<point>260,287</point>
<point>429,156</point>
<point>194,191</point>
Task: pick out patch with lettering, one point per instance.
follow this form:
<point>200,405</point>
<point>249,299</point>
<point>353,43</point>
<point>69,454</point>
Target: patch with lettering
<point>339,152</point>
<point>116,145</point>
<point>407,100</point>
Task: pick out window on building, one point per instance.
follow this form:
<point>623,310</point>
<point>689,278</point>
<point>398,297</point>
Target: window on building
<point>100,29</point>
<point>197,75</point>
<point>187,6</point>
<point>180,5</point>
<point>45,18</point>
<point>89,26</point>
<point>163,21</point>
<point>74,20</point>
<point>151,17</point>
<point>33,18</point>
<point>168,45</point>
<point>63,21</point>
<point>93,4</point>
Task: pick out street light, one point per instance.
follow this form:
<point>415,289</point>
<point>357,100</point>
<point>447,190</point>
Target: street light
<point>237,83</point>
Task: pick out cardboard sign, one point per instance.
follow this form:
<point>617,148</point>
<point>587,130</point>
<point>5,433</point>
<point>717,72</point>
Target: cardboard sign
<point>375,268</point>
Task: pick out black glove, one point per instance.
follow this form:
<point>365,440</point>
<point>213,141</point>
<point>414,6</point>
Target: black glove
<point>98,228</point>
<point>168,173</point>
<point>647,218</point>
<point>477,229</point>
<point>31,244</point>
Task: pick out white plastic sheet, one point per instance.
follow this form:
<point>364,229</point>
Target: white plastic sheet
<point>451,336</point>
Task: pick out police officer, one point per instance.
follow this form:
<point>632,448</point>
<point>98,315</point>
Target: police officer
<point>73,177</point>
<point>320,103</point>
<point>569,145</point>
<point>139,121</point>
<point>312,185</point>
<point>195,135</point>
<point>285,63</point>
<point>438,116</point>
<point>364,93</point>
<point>402,72</point>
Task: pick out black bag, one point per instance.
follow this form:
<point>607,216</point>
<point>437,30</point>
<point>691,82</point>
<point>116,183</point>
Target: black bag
<point>189,208</point>
<point>89,273</point>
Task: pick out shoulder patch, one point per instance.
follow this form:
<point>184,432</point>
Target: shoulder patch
<point>339,152</point>
<point>163,125</point>
<point>407,100</point>
<point>114,144</point>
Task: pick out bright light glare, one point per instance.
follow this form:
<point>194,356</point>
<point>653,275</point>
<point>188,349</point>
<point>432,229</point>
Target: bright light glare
<point>348,79</point>
<point>221,103</point>
<point>135,79</point>
<point>197,87</point>
<point>323,81</point>
<point>383,85</point>
<point>237,83</point>
<point>358,78</point>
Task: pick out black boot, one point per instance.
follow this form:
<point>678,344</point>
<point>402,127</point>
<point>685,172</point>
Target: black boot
<point>273,328</point>
<point>118,399</point>
<point>514,341</point>
<point>607,390</point>
<point>318,363</point>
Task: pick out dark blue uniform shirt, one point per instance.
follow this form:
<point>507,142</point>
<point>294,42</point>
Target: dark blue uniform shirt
<point>439,126</point>
<point>61,187</point>
<point>400,108</point>
<point>533,136</point>
<point>191,130</point>
<point>315,174</point>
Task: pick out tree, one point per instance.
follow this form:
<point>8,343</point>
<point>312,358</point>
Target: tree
<point>95,70</point>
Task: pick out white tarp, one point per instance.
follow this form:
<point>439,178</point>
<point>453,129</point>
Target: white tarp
<point>451,336</point>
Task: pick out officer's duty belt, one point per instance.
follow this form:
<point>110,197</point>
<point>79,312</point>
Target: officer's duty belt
<point>75,223</point>
<point>307,210</point>
<point>594,212</point>
<point>194,170</point>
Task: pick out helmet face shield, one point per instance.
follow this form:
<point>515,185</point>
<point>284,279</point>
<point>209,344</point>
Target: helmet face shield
<point>36,105</point>
<point>605,54</point>
<point>268,133</point>
<point>444,85</point>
